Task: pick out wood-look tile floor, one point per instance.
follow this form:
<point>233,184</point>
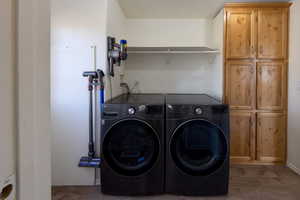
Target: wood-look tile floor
<point>246,183</point>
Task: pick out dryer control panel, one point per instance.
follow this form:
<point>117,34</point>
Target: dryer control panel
<point>191,111</point>
<point>123,110</point>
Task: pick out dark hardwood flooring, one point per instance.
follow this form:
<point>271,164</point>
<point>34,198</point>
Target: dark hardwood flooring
<point>246,183</point>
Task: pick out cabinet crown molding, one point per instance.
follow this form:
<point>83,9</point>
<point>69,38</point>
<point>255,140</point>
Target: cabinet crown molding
<point>259,5</point>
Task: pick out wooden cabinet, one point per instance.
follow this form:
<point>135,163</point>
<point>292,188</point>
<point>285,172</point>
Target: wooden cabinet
<point>241,29</point>
<point>242,136</point>
<point>256,31</point>
<point>241,84</point>
<point>271,85</point>
<point>271,137</point>
<point>256,57</point>
<point>272,33</point>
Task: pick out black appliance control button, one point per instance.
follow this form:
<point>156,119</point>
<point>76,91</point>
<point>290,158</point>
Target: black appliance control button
<point>142,108</point>
<point>198,111</point>
<point>170,107</point>
<point>131,111</point>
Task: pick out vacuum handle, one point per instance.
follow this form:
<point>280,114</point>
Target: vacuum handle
<point>111,67</point>
<point>91,128</point>
<point>92,74</point>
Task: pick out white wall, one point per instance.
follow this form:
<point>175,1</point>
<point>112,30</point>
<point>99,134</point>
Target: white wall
<point>294,89</point>
<point>116,27</point>
<point>180,73</point>
<point>175,73</point>
<point>34,173</point>
<point>168,32</point>
<point>217,42</point>
<point>7,90</point>
<point>76,26</point>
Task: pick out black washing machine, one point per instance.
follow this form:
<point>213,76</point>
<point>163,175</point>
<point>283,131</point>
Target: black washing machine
<point>132,145</point>
<point>197,152</point>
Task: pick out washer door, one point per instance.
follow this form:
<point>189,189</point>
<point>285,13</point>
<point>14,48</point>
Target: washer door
<point>198,147</point>
<point>131,147</point>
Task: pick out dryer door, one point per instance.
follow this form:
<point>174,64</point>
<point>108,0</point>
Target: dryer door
<point>131,147</point>
<point>198,147</point>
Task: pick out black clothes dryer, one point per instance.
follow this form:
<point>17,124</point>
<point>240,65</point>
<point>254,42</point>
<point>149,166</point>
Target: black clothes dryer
<point>197,145</point>
<point>132,145</point>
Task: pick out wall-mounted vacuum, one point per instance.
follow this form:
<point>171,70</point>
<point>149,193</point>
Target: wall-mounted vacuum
<point>116,53</point>
<point>95,78</point>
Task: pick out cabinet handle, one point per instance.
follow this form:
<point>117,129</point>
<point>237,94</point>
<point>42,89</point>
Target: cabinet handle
<point>252,50</point>
<point>259,122</point>
<point>259,99</point>
<point>261,50</point>
<point>259,70</point>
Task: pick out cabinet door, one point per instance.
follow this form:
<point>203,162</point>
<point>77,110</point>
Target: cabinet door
<point>271,137</point>
<point>271,85</point>
<point>272,33</point>
<point>242,136</point>
<point>241,84</point>
<point>240,33</point>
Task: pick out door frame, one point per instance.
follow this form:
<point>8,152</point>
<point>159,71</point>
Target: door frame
<point>33,100</point>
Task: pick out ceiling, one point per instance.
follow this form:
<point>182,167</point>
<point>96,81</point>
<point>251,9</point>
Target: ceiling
<point>175,8</point>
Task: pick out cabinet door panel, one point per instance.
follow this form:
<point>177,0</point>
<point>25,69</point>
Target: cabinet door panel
<point>241,84</point>
<point>272,33</point>
<point>271,137</point>
<point>240,33</point>
<point>271,85</point>
<point>242,136</point>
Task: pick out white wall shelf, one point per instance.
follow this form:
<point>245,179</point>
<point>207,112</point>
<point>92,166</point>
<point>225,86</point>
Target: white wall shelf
<point>170,50</point>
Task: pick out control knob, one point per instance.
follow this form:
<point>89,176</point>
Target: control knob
<point>198,111</point>
<point>170,107</point>
<point>131,111</point>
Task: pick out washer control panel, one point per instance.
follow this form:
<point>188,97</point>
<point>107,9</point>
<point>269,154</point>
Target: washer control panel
<point>133,110</point>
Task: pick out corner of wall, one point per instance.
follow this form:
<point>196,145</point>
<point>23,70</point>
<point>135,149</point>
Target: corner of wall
<point>293,167</point>
<point>294,89</point>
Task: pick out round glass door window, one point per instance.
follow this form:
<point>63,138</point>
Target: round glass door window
<point>131,147</point>
<point>198,147</point>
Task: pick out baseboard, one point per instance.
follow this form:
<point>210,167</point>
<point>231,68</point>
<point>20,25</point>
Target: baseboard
<point>294,168</point>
